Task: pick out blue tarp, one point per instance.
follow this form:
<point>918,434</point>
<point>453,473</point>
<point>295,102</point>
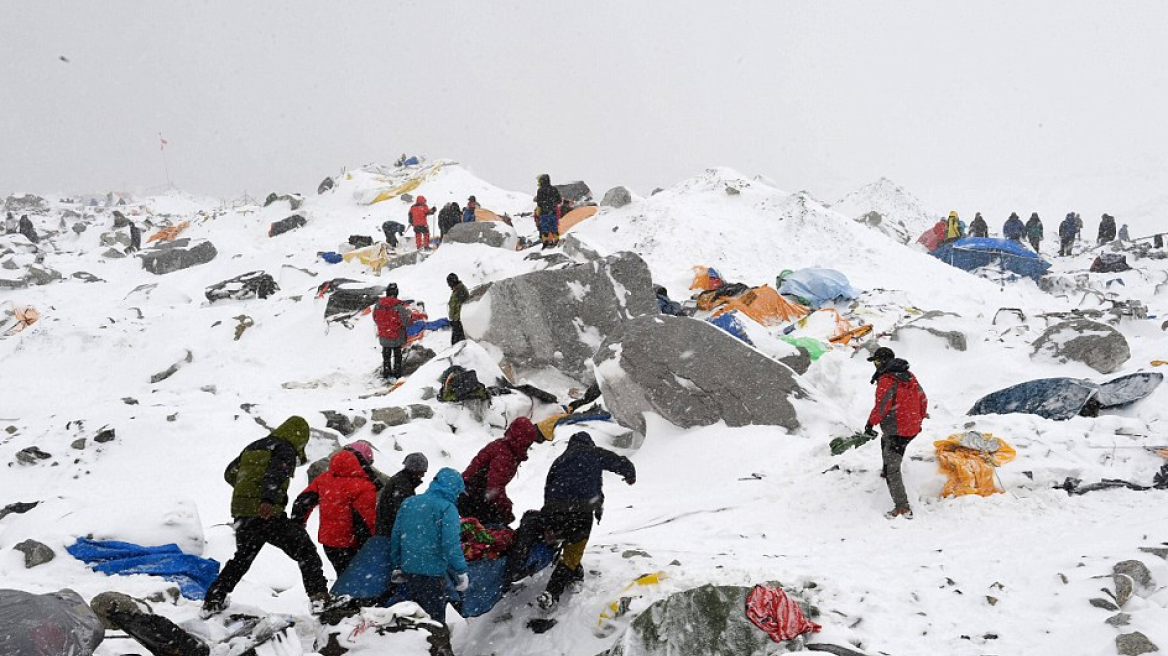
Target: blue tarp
<point>1063,398</point>
<point>192,573</point>
<point>368,577</point>
<point>730,323</point>
<point>976,252</point>
<point>418,326</point>
<point>818,287</point>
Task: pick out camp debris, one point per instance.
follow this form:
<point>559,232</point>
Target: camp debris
<point>576,216</point>
<point>968,460</point>
<point>253,284</point>
<point>765,306</point>
<point>1110,263</point>
<point>974,253</point>
<point>1062,398</point>
<point>409,185</point>
<point>840,444</point>
<point>60,622</point>
<point>374,256</point>
<point>192,574</point>
<point>169,234</point>
<point>815,348</point>
<point>776,614</point>
<point>816,287</point>
<point>706,279</point>
<point>632,599</point>
<point>15,318</point>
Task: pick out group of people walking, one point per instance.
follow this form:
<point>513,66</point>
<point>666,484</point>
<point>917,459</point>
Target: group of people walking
<point>1069,231</point>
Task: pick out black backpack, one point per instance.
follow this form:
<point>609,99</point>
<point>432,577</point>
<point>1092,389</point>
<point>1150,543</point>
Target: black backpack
<point>461,384</point>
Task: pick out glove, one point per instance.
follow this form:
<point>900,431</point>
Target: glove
<point>599,512</point>
<point>632,480</point>
<point>869,431</point>
<point>397,577</point>
<point>461,583</point>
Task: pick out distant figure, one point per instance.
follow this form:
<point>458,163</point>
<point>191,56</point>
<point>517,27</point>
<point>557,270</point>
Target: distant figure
<point>979,228</point>
<point>392,319</point>
<point>392,229</point>
<point>1067,231</point>
<point>1034,230</point>
<point>1078,226</point>
<point>347,496</point>
<point>259,478</point>
<point>1123,233</point>
<point>900,408</point>
<point>547,202</point>
<point>27,230</point>
<point>400,487</point>
<point>1107,229</point>
<point>468,212</point>
<point>492,469</point>
<point>449,217</point>
<point>135,238</point>
<point>1014,228</point>
<point>459,294</point>
<point>11,225</point>
<point>418,219</point>
<point>953,230</point>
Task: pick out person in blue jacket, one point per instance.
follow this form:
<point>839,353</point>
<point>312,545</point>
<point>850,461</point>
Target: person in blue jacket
<point>468,212</point>
<point>1068,230</point>
<point>1014,228</point>
<point>425,546</point>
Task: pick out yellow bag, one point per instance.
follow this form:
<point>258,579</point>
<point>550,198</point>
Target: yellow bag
<point>968,461</point>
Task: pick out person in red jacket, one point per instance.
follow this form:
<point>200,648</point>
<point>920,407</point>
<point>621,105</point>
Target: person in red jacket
<point>418,219</point>
<point>347,497</point>
<point>487,476</point>
<point>900,408</point>
<point>393,319</point>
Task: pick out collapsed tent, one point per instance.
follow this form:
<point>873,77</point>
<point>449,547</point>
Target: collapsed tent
<point>1062,398</point>
<point>486,215</point>
<point>168,234</point>
<point>408,186</point>
<point>15,318</point>
<point>573,218</point>
<point>55,623</point>
<point>374,256</point>
<point>968,461</point>
<point>816,287</point>
<point>254,284</point>
<point>706,278</point>
<point>192,574</point>
<point>764,305</point>
<point>933,237</point>
<point>973,253</point>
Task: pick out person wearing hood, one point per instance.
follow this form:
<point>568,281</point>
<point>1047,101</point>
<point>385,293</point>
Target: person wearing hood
<point>259,477</point>
<point>468,212</point>
<point>978,227</point>
<point>392,319</point>
<point>26,229</point>
<point>421,224</point>
<point>1034,230</point>
<point>1067,231</point>
<point>547,202</point>
<point>425,546</point>
<point>901,406</point>
<point>490,472</point>
<point>1107,229</point>
<point>135,238</point>
<point>347,496</point>
<point>953,230</point>
<point>1124,235</point>
<point>572,496</point>
<point>449,217</point>
<point>1014,228</point>
<point>392,229</point>
<point>400,487</point>
<point>459,295</point>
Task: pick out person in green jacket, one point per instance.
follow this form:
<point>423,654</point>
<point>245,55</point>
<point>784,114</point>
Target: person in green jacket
<point>458,295</point>
<point>260,478</point>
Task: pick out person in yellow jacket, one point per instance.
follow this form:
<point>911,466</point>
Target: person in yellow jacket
<point>953,227</point>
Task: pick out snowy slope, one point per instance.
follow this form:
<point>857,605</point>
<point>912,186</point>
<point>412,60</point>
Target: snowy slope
<point>710,505</point>
<point>893,202</point>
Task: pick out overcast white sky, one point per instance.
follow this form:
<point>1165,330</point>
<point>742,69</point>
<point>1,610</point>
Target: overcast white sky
<point>1043,103</point>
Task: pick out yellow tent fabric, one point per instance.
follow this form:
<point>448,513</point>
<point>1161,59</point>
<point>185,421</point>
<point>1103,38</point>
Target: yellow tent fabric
<point>374,256</point>
<point>764,305</point>
<point>547,427</point>
<point>168,234</point>
<point>573,218</point>
<point>407,186</point>
<point>968,461</point>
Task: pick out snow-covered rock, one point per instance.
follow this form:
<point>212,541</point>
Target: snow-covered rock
<point>1095,344</point>
<point>491,233</point>
<point>895,205</point>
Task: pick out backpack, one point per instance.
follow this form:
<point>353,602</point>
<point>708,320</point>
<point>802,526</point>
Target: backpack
<point>390,325</point>
<point>461,384</point>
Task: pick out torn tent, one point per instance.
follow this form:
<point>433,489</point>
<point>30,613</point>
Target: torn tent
<point>972,253</point>
<point>169,234</point>
<point>573,218</point>
<point>254,284</point>
<point>706,279</point>
<point>1062,398</point>
<point>765,306</point>
<point>15,318</point>
<point>968,461</point>
<point>816,287</point>
<point>51,624</point>
<point>192,573</point>
<point>374,256</point>
<point>731,324</point>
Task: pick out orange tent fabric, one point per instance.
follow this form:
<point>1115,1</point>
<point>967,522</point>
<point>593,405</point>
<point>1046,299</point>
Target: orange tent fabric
<point>24,317</point>
<point>968,461</point>
<point>486,215</point>
<point>703,280</point>
<point>169,234</point>
<point>766,306</point>
<point>573,218</point>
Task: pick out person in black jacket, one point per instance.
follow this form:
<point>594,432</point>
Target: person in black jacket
<point>449,217</point>
<point>978,227</point>
<point>27,230</point>
<point>573,494</point>
<point>1107,229</point>
<point>400,487</point>
<point>547,201</point>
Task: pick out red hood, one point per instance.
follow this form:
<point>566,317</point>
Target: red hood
<point>520,435</point>
<point>421,200</point>
<point>346,465</point>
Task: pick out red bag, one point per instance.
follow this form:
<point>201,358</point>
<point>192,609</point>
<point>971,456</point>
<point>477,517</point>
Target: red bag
<point>771,610</point>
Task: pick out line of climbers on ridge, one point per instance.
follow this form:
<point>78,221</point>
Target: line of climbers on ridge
<point>1069,231</point>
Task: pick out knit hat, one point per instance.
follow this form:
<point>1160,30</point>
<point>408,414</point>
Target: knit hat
<point>364,448</point>
<point>417,463</point>
<point>452,279</point>
<point>391,290</point>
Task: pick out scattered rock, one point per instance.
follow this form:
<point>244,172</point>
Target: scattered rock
<point>635,553</point>
<point>1124,587</point>
<point>210,389</point>
<point>409,259</point>
<point>1134,644</point>
<point>324,186</point>
<point>713,376</point>
<point>1162,552</point>
<point>491,233</point>
<point>428,393</point>
<point>616,197</point>
<point>31,456</point>
<point>86,276</point>
<point>41,275</point>
<point>359,421</point>
<point>1120,619</point>
<point>79,227</point>
<point>378,428</point>
<point>177,255</point>
<point>35,553</point>
<point>294,200</point>
<point>1105,604</point>
<point>113,253</point>
<point>1138,572</point>
<point>1095,344</point>
<point>10,429</point>
<point>338,422</point>
<point>243,323</point>
<point>560,317</point>
<point>114,238</point>
<point>172,417</point>
<point>172,369</point>
<point>953,338</point>
<point>732,191</point>
<point>105,435</point>
<point>285,225</point>
<point>78,443</point>
<point>421,411</point>
<point>129,400</point>
<point>18,508</point>
<point>392,416</point>
<point>993,601</point>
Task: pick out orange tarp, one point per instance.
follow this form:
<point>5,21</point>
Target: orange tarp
<point>169,234</point>
<point>571,219</point>
<point>968,461</point>
<point>764,305</point>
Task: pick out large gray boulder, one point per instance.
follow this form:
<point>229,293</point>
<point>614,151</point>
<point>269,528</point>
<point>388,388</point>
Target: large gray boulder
<point>1095,344</point>
<point>491,233</point>
<point>577,191</point>
<point>177,255</point>
<point>692,373</point>
<point>616,197</point>
<point>559,317</point>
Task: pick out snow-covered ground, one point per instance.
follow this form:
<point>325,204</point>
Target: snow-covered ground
<point>715,504</point>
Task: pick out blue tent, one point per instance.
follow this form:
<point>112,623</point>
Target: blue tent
<point>817,287</point>
<point>972,253</point>
<point>730,323</point>
<point>192,573</point>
